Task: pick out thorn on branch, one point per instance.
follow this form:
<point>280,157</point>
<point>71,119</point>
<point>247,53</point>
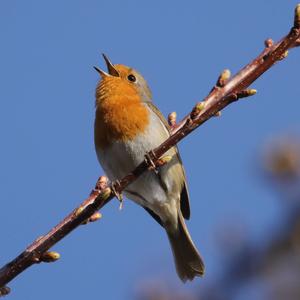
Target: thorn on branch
<point>50,256</point>
<point>4,291</point>
<point>218,114</point>
<point>172,118</point>
<point>297,17</point>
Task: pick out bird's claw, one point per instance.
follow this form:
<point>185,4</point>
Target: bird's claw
<point>114,187</point>
<point>149,159</point>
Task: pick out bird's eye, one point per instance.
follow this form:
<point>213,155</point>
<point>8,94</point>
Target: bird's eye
<point>131,78</point>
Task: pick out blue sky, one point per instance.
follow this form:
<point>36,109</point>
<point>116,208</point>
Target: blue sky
<point>48,163</point>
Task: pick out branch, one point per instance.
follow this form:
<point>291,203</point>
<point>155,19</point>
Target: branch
<point>222,94</point>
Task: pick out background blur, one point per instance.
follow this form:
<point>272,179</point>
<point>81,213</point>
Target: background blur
<point>242,168</point>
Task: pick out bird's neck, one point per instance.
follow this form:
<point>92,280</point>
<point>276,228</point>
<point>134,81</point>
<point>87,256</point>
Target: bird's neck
<point>119,117</point>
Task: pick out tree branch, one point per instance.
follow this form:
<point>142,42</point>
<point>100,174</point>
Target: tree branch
<point>222,94</point>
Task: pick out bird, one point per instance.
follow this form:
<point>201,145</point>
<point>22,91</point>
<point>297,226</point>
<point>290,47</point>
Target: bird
<point>127,126</point>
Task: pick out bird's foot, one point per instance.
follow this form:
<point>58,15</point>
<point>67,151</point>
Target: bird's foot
<point>115,189</point>
<point>153,163</point>
<point>164,160</point>
<point>149,159</point>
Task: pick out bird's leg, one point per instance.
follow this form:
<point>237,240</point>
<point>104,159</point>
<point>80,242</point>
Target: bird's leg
<point>115,185</point>
<point>155,163</point>
<point>150,159</point>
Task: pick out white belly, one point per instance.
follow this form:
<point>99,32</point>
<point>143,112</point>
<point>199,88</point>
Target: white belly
<point>120,158</point>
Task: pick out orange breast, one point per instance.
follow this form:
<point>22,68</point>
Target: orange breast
<point>120,115</point>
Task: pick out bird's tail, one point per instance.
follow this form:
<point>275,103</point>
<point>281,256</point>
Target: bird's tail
<point>187,258</point>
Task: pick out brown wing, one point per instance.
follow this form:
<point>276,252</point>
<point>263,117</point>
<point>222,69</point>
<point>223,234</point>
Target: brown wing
<point>184,197</point>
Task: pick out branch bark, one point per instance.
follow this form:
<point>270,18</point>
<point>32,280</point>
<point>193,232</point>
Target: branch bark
<point>226,91</point>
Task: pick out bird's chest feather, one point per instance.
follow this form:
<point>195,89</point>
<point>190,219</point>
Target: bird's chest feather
<point>119,120</point>
<point>122,155</point>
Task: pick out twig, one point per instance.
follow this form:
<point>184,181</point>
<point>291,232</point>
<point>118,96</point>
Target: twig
<point>223,93</point>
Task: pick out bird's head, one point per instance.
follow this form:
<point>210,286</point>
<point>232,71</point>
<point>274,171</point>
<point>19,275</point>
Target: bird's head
<point>121,80</point>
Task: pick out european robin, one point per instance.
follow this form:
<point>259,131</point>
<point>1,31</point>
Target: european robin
<point>127,126</point>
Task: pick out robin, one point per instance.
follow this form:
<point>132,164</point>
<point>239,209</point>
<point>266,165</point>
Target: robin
<point>127,126</point>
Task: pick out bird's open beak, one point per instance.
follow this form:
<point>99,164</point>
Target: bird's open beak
<point>112,71</point>
<point>110,67</point>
